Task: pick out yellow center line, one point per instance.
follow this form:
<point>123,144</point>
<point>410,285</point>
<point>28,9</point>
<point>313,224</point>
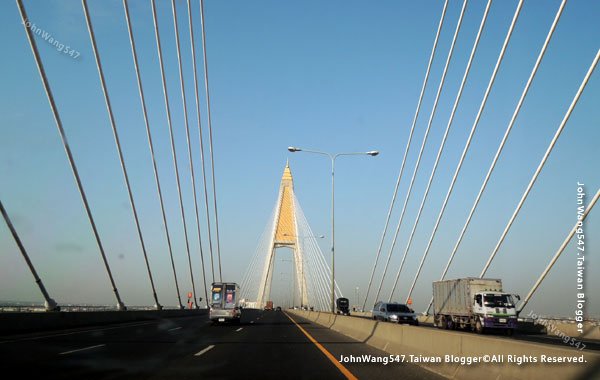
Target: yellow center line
<point>331,358</point>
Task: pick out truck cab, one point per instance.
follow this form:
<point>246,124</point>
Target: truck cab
<point>494,310</point>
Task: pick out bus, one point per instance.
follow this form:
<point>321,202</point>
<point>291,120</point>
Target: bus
<point>224,305</point>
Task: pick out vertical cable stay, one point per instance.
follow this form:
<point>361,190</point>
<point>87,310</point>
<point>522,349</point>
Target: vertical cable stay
<point>190,158</point>
<point>469,138</point>
<point>198,113</point>
<point>248,281</point>
<point>61,131</point>
<point>317,256</point>
<point>49,303</point>
<point>509,127</point>
<point>151,145</point>
<point>170,125</point>
<point>542,163</point>
<point>118,145</point>
<point>558,252</point>
<point>420,155</point>
<point>441,148</point>
<point>210,134</point>
<point>412,128</point>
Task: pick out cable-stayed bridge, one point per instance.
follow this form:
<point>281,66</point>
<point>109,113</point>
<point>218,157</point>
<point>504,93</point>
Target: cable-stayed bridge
<point>171,335</point>
<point>288,228</point>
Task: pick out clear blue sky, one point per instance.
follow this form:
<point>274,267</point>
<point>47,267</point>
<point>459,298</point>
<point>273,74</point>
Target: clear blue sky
<point>335,76</point>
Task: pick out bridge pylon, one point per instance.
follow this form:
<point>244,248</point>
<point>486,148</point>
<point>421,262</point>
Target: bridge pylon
<point>284,235</point>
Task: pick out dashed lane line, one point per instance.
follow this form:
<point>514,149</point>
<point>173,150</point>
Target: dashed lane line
<point>82,349</point>
<point>205,350</point>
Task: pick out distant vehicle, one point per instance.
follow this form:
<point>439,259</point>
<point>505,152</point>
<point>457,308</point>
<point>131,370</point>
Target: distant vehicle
<point>475,303</point>
<point>394,312</point>
<point>278,308</point>
<point>269,306</point>
<point>343,306</point>
<point>225,305</point>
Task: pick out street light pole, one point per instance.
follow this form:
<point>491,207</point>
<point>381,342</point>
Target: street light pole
<point>332,157</point>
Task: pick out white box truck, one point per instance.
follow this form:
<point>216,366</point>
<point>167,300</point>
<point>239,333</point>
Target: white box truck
<point>474,303</point>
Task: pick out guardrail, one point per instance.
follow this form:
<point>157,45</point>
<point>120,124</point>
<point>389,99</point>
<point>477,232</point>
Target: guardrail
<point>456,349</point>
<point>547,326</point>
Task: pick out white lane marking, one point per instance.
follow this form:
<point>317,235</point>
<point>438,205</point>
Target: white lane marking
<point>175,328</point>
<point>205,350</point>
<point>82,349</point>
<point>77,332</point>
<point>240,329</point>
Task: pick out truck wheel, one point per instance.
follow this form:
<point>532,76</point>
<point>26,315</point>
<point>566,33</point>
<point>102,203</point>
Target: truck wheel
<point>478,327</point>
<point>440,323</point>
<point>444,323</point>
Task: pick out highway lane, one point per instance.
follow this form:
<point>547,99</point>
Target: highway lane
<point>265,345</point>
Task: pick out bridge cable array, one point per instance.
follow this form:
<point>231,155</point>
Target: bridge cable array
<point>210,135</point>
<point>442,144</point>
<point>542,163</point>
<point>410,135</point>
<point>421,150</point>
<point>198,114</point>
<point>467,145</point>
<point>50,303</point>
<point>151,145</point>
<point>473,129</point>
<point>560,250</point>
<point>510,126</point>
<point>59,125</point>
<point>118,145</point>
<point>423,144</point>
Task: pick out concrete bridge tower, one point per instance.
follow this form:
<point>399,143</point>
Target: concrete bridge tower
<point>284,234</point>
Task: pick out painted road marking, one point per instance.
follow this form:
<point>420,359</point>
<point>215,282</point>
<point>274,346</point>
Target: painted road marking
<point>175,328</point>
<point>240,329</point>
<point>205,350</point>
<point>331,358</point>
<point>76,332</point>
<point>82,349</point>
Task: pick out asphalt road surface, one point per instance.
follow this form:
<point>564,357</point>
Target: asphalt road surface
<point>265,345</point>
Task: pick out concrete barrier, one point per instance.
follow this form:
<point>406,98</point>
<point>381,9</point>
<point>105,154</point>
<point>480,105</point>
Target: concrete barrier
<point>13,323</point>
<point>558,328</point>
<point>499,358</point>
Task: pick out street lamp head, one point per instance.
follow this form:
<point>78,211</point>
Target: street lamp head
<point>293,149</point>
<point>373,153</point>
